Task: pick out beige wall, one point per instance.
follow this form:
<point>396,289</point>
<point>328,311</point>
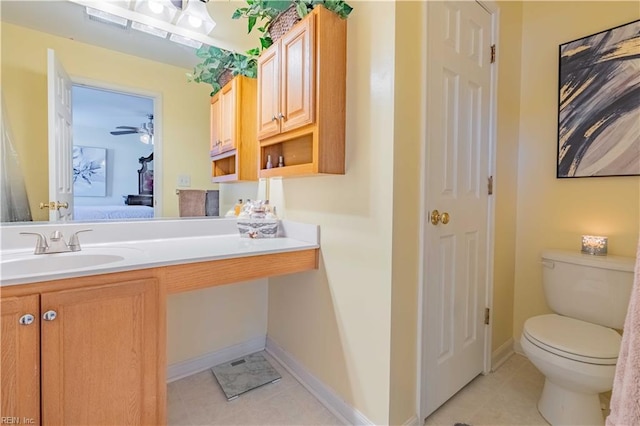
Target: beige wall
<point>506,170</point>
<point>409,134</point>
<point>553,213</point>
<point>337,321</point>
<point>205,321</point>
<point>185,124</point>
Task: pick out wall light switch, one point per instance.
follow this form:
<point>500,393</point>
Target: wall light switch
<point>184,181</point>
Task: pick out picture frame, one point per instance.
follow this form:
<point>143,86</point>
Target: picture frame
<point>89,171</point>
<point>599,104</point>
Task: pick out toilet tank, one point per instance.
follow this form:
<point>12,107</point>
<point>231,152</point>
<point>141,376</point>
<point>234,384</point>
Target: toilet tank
<point>591,288</point>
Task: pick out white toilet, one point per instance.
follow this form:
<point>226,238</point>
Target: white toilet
<point>577,347</point>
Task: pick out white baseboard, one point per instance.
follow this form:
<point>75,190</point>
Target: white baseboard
<point>195,365</point>
<point>500,355</point>
<point>413,421</point>
<point>517,347</point>
<point>327,396</point>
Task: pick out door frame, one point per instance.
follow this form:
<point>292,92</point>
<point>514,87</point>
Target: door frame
<point>492,8</point>
<point>157,129</point>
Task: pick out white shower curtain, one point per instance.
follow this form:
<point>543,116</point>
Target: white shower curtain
<point>14,204</point>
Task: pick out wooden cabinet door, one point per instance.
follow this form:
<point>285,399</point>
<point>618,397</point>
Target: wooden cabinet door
<point>228,116</point>
<point>100,355</point>
<point>20,363</point>
<point>297,102</point>
<point>269,92</point>
<point>215,125</point>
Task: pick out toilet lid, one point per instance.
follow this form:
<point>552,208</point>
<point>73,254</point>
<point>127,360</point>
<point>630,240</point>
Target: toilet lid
<point>574,339</point>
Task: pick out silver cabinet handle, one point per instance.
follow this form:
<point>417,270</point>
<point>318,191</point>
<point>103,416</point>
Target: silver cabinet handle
<point>26,319</point>
<point>280,116</point>
<point>49,315</point>
<point>274,118</point>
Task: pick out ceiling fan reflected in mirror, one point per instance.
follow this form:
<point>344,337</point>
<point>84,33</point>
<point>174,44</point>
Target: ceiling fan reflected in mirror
<point>145,130</point>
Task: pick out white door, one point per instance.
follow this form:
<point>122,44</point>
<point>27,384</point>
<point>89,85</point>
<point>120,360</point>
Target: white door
<point>455,283</point>
<point>60,140</point>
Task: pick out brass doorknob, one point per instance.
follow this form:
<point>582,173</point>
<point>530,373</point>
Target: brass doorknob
<point>52,205</point>
<point>444,218</point>
<point>436,217</point>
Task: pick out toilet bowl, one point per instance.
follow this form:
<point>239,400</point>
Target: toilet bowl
<point>576,348</point>
<point>578,360</point>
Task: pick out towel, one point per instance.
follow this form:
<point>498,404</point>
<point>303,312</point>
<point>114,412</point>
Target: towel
<point>625,398</point>
<point>191,202</point>
<point>212,203</point>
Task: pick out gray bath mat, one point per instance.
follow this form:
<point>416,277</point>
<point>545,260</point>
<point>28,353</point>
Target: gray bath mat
<point>243,374</point>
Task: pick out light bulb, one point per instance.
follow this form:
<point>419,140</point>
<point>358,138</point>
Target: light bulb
<point>194,21</point>
<point>155,6</point>
<point>145,139</point>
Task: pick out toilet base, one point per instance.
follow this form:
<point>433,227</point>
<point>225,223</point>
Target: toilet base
<point>561,406</point>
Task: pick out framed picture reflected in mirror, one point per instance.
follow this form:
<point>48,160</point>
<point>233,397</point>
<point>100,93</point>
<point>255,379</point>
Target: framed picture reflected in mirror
<point>89,171</point>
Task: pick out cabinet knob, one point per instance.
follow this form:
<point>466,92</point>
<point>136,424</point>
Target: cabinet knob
<point>274,118</point>
<point>26,319</point>
<point>280,116</point>
<point>49,315</point>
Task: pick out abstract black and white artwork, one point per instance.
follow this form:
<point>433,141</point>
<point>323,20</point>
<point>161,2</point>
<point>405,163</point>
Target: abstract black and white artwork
<point>89,171</point>
<point>599,104</point>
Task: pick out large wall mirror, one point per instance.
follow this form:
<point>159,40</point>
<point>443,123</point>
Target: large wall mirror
<point>118,61</point>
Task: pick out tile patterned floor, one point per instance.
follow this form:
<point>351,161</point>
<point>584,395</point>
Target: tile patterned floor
<point>506,397</point>
<point>198,400</point>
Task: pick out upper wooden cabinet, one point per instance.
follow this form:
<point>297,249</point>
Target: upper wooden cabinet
<point>233,132</point>
<point>214,123</point>
<point>301,98</point>
<point>286,80</point>
<point>223,119</point>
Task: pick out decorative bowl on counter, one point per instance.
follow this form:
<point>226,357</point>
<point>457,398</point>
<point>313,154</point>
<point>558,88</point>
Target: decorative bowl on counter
<point>258,228</point>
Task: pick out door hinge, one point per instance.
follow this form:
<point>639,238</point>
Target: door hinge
<point>490,185</point>
<point>493,53</point>
<point>487,312</point>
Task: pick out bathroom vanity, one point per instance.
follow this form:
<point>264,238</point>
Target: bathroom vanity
<point>88,345</point>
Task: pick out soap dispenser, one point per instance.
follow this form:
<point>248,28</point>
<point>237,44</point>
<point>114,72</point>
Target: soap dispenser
<point>237,207</point>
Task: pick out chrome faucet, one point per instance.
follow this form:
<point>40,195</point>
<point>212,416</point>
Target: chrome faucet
<point>56,242</point>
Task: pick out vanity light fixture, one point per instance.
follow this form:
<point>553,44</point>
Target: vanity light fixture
<point>188,25</point>
<point>106,18</point>
<point>185,41</point>
<point>195,17</point>
<point>159,9</point>
<point>149,29</point>
<point>155,6</point>
<point>593,244</point>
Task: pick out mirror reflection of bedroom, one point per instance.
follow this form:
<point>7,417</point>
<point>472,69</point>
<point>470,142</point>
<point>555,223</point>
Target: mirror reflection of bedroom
<point>113,145</point>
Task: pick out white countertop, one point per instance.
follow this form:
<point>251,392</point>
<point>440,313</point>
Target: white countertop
<point>157,252</point>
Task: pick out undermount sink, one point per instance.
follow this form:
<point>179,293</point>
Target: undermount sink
<point>21,264</point>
